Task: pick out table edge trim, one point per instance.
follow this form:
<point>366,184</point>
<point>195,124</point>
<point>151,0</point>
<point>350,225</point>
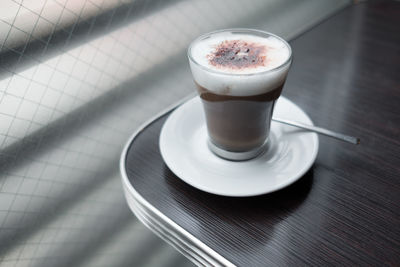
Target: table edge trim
<point>129,189</point>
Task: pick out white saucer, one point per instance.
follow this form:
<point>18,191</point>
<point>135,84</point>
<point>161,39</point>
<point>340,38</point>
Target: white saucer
<point>291,152</point>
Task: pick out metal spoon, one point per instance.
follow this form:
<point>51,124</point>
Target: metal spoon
<point>339,136</point>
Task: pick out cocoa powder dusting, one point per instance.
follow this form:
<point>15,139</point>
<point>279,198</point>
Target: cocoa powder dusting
<point>238,54</point>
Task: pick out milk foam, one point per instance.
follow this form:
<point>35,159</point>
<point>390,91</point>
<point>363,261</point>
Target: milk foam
<point>241,81</point>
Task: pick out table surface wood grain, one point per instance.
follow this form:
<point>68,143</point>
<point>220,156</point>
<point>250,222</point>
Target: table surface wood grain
<point>346,209</point>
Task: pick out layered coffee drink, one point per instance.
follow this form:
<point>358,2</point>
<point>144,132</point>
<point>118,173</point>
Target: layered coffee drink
<point>239,75</point>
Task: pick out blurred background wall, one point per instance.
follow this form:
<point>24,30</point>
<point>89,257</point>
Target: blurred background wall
<point>77,77</point>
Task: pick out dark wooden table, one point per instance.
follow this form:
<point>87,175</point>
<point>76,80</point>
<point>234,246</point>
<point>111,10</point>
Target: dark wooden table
<point>346,209</point>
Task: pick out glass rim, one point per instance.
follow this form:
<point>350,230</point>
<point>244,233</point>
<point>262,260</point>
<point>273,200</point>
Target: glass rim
<point>240,30</point>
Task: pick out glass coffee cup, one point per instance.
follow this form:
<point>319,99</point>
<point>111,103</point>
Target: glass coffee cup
<point>239,74</point>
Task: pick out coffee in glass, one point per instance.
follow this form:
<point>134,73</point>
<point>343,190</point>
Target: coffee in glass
<point>239,74</point>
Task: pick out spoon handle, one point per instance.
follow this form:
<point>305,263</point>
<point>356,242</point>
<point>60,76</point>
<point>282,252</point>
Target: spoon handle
<point>339,136</point>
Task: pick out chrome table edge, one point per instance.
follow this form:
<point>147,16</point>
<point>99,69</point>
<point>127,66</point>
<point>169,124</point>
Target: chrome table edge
<point>187,244</point>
